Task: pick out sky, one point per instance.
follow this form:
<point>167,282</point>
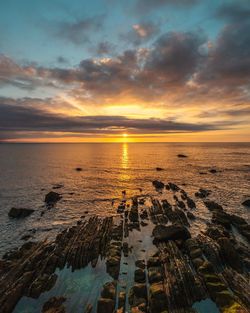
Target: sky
<point>124,71</point>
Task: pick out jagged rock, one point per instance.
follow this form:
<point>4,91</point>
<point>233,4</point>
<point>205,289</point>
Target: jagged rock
<point>191,204</point>
<point>54,305</point>
<point>140,290</point>
<point>173,187</point>
<point>109,291</point>
<point>182,156</point>
<point>20,212</point>
<point>105,305</point>
<point>121,299</point>
<point>158,184</point>
<point>172,232</point>
<point>155,275</point>
<point>213,206</point>
<point>140,264</point>
<point>52,197</point>
<point>191,216</point>
<point>157,298</point>
<point>202,193</point>
<point>229,253</point>
<point>246,203</point>
<point>139,276</point>
<point>125,249</point>
<point>153,262</point>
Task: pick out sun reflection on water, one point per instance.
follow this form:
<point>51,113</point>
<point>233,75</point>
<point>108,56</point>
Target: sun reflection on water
<point>124,157</point>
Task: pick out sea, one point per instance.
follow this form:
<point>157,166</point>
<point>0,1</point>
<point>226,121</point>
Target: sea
<point>111,171</point>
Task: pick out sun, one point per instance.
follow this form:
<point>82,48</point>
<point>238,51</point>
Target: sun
<point>124,135</point>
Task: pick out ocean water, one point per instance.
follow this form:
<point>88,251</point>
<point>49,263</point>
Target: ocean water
<point>29,171</point>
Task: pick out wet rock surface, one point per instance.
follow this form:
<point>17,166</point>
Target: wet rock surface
<point>154,261</point>
<point>20,212</point>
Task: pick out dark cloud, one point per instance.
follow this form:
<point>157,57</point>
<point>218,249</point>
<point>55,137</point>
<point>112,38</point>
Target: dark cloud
<point>62,60</point>
<point>175,57</point>
<point>148,5</point>
<point>228,62</point>
<point>104,47</point>
<point>141,33</point>
<point>20,118</point>
<point>234,11</point>
<point>80,30</point>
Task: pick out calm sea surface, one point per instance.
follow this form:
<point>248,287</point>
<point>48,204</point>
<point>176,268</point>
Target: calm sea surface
<point>29,171</point>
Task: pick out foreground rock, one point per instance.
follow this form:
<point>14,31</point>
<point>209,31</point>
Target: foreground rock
<point>158,184</point>
<point>52,197</point>
<point>54,305</point>
<point>172,232</point>
<point>20,212</point>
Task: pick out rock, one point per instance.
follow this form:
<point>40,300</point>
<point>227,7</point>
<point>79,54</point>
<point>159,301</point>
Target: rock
<point>121,299</point>
<point>213,171</point>
<point>52,197</point>
<point>109,291</point>
<point>158,184</point>
<point>153,261</point>
<point>157,298</point>
<point>191,204</point>
<point>155,274</point>
<point>57,186</point>
<point>213,206</point>
<point>172,232</point>
<point>78,169</point>
<point>54,305</point>
<point>140,290</point>
<point>139,276</point>
<point>173,187</point>
<point>105,305</point>
<point>140,264</point>
<point>182,156</point>
<point>20,212</point>
<point>202,193</point>
<point>191,216</point>
<point>159,169</point>
<point>246,203</point>
<point>229,253</point>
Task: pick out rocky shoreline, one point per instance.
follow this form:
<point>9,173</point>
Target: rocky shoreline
<point>154,262</point>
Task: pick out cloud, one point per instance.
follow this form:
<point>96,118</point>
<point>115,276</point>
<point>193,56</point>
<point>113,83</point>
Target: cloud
<point>141,33</point>
<point>18,117</point>
<point>228,62</point>
<point>103,48</point>
<point>78,31</point>
<point>234,12</point>
<point>148,5</point>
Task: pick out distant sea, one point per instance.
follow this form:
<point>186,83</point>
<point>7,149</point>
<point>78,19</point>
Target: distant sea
<point>29,171</point>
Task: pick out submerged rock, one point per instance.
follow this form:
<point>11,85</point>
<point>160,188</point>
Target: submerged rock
<point>182,156</point>
<point>52,197</point>
<point>172,232</point>
<point>54,305</point>
<point>20,212</point>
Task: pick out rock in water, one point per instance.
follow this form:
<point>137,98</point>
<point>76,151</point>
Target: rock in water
<point>172,232</point>
<point>246,203</point>
<point>54,305</point>
<point>158,184</point>
<point>52,197</point>
<point>20,212</point>
<point>78,169</point>
<point>159,169</point>
<point>182,156</point>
